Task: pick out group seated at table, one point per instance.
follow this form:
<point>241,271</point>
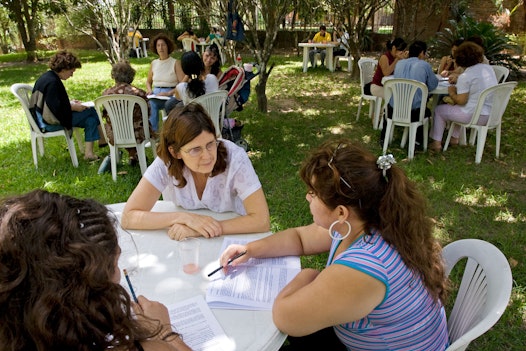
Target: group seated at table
<point>415,67</point>
<point>195,170</point>
<point>463,96</point>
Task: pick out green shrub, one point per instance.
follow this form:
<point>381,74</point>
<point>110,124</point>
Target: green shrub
<point>499,48</point>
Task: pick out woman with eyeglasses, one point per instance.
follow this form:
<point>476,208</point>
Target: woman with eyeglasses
<point>196,171</point>
<point>384,284</point>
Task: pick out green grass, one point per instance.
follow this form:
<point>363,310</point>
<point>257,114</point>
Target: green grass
<point>485,201</point>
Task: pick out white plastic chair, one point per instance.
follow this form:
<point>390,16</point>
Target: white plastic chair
<point>189,44</point>
<point>403,91</point>
<point>214,105</point>
<point>484,291</point>
<point>499,95</point>
<point>501,73</point>
<point>119,108</point>
<point>367,67</point>
<point>347,57</point>
<point>23,93</point>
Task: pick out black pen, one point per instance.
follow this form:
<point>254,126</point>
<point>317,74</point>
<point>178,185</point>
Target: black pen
<point>228,262</point>
<point>130,285</point>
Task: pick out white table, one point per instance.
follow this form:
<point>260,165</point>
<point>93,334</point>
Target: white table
<point>328,58</point>
<point>144,42</point>
<point>203,44</point>
<point>157,274</point>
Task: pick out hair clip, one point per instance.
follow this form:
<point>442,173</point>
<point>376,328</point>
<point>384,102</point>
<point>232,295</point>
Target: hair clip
<point>384,163</point>
<point>81,225</point>
<point>193,76</point>
<point>78,211</point>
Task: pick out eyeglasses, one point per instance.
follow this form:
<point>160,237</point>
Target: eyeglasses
<point>198,150</point>
<point>335,170</point>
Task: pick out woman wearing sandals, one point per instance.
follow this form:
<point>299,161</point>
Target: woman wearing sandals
<point>384,284</point>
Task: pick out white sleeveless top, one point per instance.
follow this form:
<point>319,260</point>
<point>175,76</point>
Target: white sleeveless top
<point>164,73</point>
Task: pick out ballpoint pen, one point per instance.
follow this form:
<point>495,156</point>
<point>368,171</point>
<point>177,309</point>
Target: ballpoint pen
<point>130,285</point>
<point>228,262</point>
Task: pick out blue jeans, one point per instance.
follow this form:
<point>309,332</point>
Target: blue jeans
<point>87,119</point>
<point>157,105</point>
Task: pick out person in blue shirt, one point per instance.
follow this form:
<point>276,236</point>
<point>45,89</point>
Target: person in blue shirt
<point>415,67</point>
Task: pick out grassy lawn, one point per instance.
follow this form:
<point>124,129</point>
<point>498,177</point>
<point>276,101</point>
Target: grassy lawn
<point>486,201</point>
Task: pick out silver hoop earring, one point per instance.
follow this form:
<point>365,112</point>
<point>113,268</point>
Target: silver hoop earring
<point>343,237</point>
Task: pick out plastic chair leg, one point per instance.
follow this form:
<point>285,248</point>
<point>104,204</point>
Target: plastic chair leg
<point>388,135</point>
<point>359,109</point>
<point>497,145</point>
<point>72,152</point>
<point>481,141</point>
<point>34,150</point>
<point>141,154</point>
<point>113,158</point>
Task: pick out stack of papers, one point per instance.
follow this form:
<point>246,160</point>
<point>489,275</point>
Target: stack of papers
<point>198,326</point>
<point>253,285</point>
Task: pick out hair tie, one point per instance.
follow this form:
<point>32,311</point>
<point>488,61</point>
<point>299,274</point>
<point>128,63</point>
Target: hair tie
<point>384,163</point>
<point>193,76</point>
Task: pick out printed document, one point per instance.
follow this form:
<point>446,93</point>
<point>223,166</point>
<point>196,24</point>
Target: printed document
<point>193,319</point>
<point>252,285</point>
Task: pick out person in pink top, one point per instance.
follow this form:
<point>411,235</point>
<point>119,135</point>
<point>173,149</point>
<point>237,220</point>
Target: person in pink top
<point>396,50</point>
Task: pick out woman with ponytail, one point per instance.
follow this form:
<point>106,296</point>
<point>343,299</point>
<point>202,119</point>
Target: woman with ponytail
<point>384,284</point>
<point>196,82</point>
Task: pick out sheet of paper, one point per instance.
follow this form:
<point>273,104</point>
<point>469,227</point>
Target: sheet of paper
<point>199,328</point>
<point>253,285</point>
<point>152,96</point>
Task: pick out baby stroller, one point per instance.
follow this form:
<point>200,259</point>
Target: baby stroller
<point>236,80</point>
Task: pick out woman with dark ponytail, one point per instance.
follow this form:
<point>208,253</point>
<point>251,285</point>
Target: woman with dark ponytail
<point>384,284</point>
<point>196,82</point>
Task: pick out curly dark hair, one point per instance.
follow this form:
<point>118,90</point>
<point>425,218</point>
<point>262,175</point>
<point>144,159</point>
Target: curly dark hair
<point>57,265</point>
<point>122,72</point>
<point>63,60</point>
<point>184,124</point>
<point>469,54</point>
<point>392,205</point>
<point>169,42</point>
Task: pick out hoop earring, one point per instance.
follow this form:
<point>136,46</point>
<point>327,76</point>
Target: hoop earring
<point>346,235</point>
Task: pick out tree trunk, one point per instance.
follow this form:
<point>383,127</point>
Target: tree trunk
<point>261,94</point>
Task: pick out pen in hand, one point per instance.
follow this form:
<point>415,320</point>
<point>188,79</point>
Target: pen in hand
<point>130,285</point>
<point>228,262</point>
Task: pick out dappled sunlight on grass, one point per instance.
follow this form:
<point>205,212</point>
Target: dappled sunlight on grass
<point>480,197</point>
<point>509,217</point>
<point>437,185</point>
